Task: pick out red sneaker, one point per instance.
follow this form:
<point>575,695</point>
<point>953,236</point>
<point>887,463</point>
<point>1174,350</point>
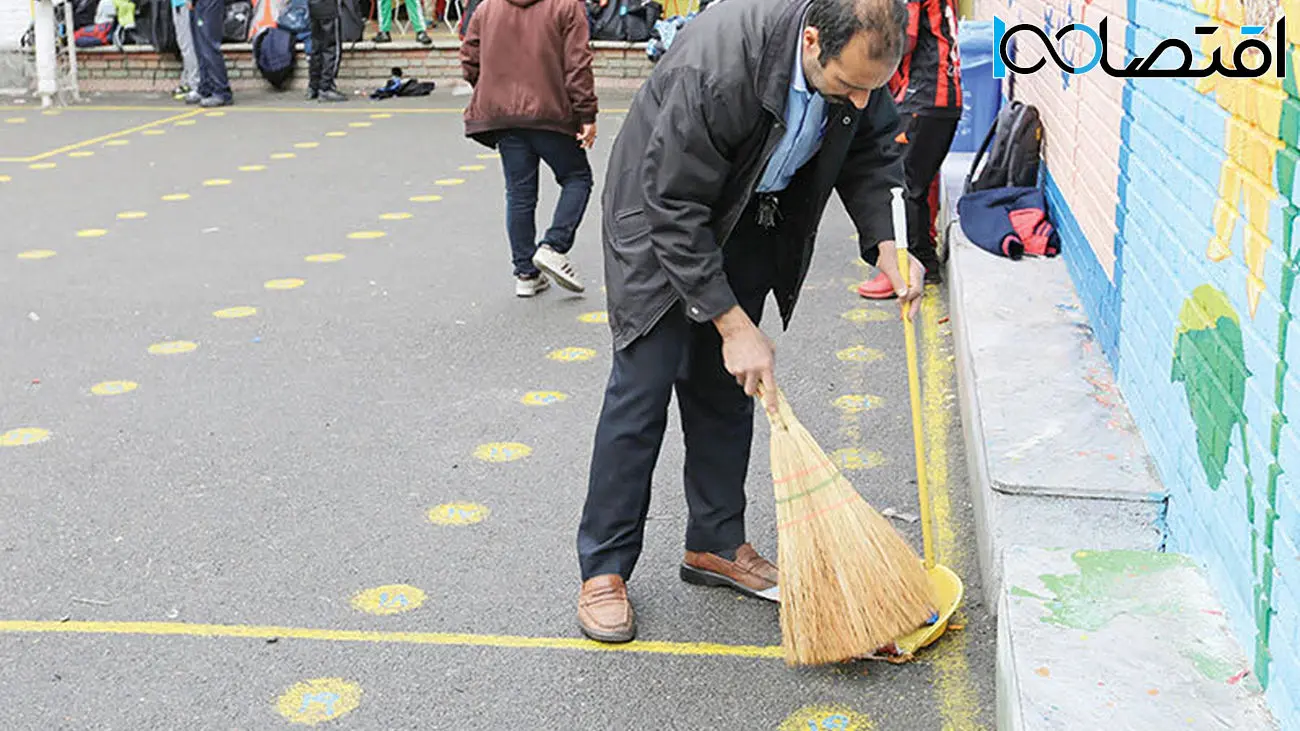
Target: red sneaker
<point>879,288</point>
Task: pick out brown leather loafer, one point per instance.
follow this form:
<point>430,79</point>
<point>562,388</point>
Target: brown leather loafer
<point>749,574</point>
<point>604,611</point>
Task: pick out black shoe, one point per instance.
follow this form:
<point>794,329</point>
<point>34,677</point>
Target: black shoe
<point>332,95</point>
<point>312,94</point>
<point>383,37</point>
<point>934,276</point>
<point>424,38</point>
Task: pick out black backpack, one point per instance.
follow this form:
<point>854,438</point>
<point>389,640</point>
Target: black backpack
<point>1017,139</point>
<point>352,23</point>
<point>239,19</point>
<point>273,52</point>
<point>155,27</point>
<point>623,20</point>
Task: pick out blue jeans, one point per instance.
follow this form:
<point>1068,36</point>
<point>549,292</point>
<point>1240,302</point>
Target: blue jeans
<point>521,150</point>
<point>207,24</point>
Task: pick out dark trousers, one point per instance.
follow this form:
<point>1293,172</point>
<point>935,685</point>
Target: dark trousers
<point>717,421</point>
<point>521,151</point>
<point>326,44</point>
<point>207,24</point>
<point>928,140</point>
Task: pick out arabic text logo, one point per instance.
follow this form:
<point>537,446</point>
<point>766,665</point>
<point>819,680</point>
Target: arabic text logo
<point>1251,58</point>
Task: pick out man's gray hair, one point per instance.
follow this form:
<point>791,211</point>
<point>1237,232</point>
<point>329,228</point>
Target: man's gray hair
<point>838,21</point>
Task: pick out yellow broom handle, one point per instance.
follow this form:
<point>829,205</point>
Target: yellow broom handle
<point>899,211</point>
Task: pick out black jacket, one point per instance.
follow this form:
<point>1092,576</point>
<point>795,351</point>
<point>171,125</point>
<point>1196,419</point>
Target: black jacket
<point>691,152</point>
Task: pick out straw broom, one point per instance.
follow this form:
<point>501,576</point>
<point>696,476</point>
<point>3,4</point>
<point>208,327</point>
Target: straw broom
<point>849,582</point>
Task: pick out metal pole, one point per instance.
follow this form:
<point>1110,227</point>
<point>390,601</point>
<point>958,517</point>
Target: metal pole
<point>68,21</point>
<point>47,82</point>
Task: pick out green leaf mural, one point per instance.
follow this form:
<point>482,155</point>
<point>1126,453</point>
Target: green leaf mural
<point>1210,363</point>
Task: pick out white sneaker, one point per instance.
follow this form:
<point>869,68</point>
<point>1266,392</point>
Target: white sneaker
<point>557,265</point>
<point>530,287</point>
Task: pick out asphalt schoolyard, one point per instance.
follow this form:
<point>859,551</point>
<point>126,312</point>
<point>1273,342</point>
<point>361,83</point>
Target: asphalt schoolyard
<point>281,446</point>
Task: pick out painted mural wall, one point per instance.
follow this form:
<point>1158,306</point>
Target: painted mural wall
<point>1177,201</point>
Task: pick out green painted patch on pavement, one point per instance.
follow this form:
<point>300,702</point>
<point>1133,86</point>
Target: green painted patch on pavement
<point>1109,584</point>
<point>1213,668</point>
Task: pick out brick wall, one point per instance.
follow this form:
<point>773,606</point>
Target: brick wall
<point>1177,201</point>
<point>364,66</point>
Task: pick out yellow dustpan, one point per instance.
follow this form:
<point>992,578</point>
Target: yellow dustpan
<point>948,589</point>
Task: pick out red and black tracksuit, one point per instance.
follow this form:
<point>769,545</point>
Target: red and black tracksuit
<point>927,90</point>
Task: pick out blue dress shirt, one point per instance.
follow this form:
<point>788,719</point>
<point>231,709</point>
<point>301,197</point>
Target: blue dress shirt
<point>805,121</point>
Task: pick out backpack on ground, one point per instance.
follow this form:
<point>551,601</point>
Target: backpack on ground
<point>273,52</point>
<point>1002,210</point>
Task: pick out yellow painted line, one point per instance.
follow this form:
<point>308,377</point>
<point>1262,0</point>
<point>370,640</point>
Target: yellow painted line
<point>184,629</point>
<point>954,692</point>
<point>103,138</point>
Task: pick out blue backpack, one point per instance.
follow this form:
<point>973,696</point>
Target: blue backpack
<point>273,51</point>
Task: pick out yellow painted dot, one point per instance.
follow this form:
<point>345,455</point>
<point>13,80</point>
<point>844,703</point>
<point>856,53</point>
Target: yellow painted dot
<point>81,153</point>
<point>176,197</point>
<point>251,168</point>
<point>425,198</point>
<point>856,403</point>
<point>16,120</point>
<point>448,181</point>
<point>51,113</point>
<point>853,237</point>
<point>324,258</point>
<point>543,398</point>
<point>860,354</point>
<point>36,254</point>
<point>215,114</point>
<point>307,145</point>
<point>320,699</point>
<point>472,168</point>
<point>502,451</point>
<point>572,354</point>
<point>186,123</point>
<point>488,156</point>
<point>336,133</point>
<point>594,317</point>
<point>5,178</point>
<point>91,233</point>
<point>395,216</point>
<point>283,155</point>
<point>231,313</point>
<point>367,235</point>
<point>458,514</point>
<point>381,115</point>
<point>214,182</point>
<point>154,132</point>
<point>131,215</point>
<point>43,165</point>
<point>360,124</point>
<point>388,599</point>
<point>853,458</point>
<point>826,718</point>
<point>113,388</point>
<point>117,143</point>
<point>172,347</point>
<point>1043,672</point>
<point>868,314</point>
<point>284,283</point>
<point>23,436</point>
<point>1153,691</point>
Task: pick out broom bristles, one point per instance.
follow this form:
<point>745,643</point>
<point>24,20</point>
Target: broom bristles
<point>850,584</point>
